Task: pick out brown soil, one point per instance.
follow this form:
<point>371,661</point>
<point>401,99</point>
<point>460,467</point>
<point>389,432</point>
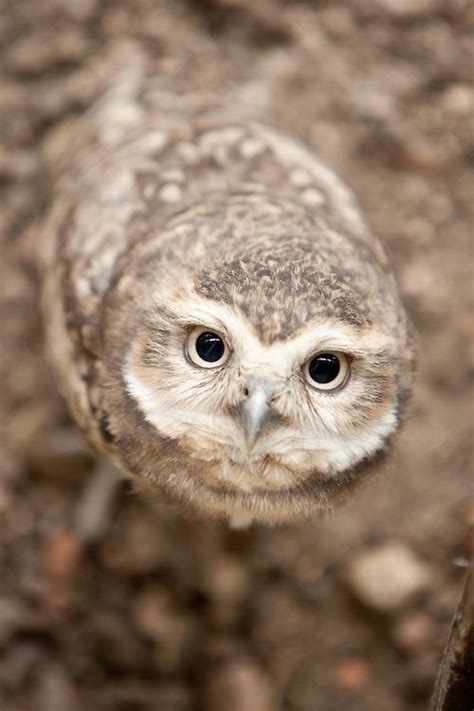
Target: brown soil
<point>169,614</point>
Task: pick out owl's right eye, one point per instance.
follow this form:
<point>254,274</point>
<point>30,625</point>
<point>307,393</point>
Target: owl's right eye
<point>206,348</point>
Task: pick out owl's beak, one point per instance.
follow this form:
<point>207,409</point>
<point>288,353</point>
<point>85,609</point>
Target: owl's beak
<point>256,412</point>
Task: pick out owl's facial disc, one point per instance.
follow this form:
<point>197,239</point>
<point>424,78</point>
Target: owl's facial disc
<point>253,417</point>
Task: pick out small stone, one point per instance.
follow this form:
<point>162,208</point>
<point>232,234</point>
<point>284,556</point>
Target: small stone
<point>221,156</point>
<point>116,644</point>
<point>11,470</point>
<point>387,577</point>
<point>62,555</point>
<point>225,580</point>
<point>173,175</point>
<point>147,183</point>
<point>56,692</point>
<point>171,193</point>
<point>62,560</point>
<point>458,99</point>
<point>414,633</point>
<point>311,196</point>
<point>373,101</point>
<point>189,152</point>
<point>117,121</point>
<point>240,685</point>
<point>158,618</point>
<point>149,145</point>
<point>407,8</point>
<point>301,178</point>
<point>149,191</point>
<point>354,674</point>
<point>14,617</point>
<point>81,10</point>
<point>417,280</point>
<point>338,20</point>
<point>251,148</point>
<point>211,139</point>
<point>117,188</point>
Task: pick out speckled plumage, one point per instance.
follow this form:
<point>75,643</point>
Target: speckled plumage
<point>161,224</point>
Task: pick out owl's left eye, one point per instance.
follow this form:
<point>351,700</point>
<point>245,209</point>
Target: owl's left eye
<point>327,371</point>
<point>206,348</point>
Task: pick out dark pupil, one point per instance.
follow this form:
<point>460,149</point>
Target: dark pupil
<point>210,347</point>
<point>324,368</point>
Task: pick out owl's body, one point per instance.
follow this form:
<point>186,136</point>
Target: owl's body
<point>163,229</point>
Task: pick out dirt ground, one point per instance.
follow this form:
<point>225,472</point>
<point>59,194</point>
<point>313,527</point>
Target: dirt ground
<point>168,614</point>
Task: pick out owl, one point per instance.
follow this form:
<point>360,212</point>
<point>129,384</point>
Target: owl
<point>219,317</point>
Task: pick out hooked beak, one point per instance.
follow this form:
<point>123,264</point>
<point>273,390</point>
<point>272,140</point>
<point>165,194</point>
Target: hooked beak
<point>256,412</point>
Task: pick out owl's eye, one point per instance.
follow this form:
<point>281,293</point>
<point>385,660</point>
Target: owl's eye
<point>327,371</point>
<point>206,348</point>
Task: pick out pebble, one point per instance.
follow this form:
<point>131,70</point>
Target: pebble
<point>354,674</point>
<point>62,557</point>
<point>153,142</point>
<point>387,577</point>
<point>171,192</point>
<point>11,470</point>
<point>311,196</point>
<point>301,178</point>
<point>116,644</point>
<point>251,147</point>
<point>458,99</point>
<point>338,21</point>
<point>225,580</point>
<point>418,282</point>
<point>407,8</point>
<point>13,618</point>
<point>239,685</point>
<point>158,618</point>
<point>56,692</point>
<point>81,10</point>
<point>188,152</point>
<point>414,633</point>
<point>227,585</point>
<point>173,175</point>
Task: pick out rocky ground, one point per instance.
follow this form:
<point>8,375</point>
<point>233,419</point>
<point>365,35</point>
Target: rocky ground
<point>351,612</point>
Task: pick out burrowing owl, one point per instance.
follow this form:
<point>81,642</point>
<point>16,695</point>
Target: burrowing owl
<point>220,318</point>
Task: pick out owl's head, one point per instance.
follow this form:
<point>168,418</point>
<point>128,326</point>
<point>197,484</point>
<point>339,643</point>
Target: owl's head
<point>267,365</point>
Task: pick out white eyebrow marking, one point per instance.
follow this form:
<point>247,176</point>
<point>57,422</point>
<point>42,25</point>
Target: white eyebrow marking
<point>243,338</point>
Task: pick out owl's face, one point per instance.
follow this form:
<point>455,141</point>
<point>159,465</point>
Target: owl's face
<point>253,420</point>
<point>257,361</point>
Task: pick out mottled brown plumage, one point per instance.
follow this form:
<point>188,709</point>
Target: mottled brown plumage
<point>163,225</point>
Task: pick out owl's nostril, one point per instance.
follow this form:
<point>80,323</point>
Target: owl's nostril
<point>261,385</point>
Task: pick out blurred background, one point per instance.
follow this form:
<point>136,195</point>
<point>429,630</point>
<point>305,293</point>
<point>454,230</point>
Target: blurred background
<point>162,613</point>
